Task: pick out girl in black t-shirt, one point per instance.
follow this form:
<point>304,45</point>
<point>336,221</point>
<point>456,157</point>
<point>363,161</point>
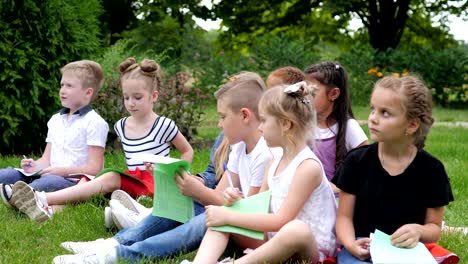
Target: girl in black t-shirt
<point>392,185</point>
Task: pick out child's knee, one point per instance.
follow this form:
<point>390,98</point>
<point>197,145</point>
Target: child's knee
<point>299,231</point>
<point>109,181</point>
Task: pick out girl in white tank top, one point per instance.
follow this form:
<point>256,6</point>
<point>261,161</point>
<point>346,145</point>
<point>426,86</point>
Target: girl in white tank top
<point>302,207</point>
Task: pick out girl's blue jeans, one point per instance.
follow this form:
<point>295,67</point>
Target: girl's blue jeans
<point>47,183</point>
<point>157,237</point>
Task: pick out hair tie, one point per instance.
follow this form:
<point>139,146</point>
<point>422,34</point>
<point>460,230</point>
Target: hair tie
<point>293,88</point>
<point>337,66</point>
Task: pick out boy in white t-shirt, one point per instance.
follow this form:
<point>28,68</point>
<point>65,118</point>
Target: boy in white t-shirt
<point>76,136</point>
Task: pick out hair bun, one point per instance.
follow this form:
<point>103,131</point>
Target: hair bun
<point>149,66</point>
<point>126,64</point>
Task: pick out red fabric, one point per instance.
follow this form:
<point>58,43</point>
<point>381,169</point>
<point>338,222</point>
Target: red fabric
<point>442,255</point>
<point>330,260</point>
<point>134,187</point>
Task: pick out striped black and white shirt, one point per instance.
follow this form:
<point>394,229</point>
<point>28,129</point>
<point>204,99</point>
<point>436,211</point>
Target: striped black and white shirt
<point>157,141</point>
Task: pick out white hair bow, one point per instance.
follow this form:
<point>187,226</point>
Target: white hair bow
<point>293,88</point>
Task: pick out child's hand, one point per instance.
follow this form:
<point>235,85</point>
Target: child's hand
<point>28,165</point>
<point>188,185</point>
<point>149,167</point>
<point>215,215</point>
<point>360,248</point>
<point>407,236</point>
<point>231,195</point>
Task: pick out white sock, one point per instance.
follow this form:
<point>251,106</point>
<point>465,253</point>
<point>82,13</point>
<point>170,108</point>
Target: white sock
<point>8,190</point>
<point>42,198</point>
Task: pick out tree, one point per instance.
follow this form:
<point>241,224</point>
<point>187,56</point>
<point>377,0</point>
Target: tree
<point>385,20</point>
<point>36,40</point>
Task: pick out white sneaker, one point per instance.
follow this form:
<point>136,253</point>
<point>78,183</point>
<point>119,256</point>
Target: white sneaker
<point>89,246</point>
<point>186,262</point>
<point>127,201</point>
<point>108,222</point>
<point>86,258</point>
<point>123,217</point>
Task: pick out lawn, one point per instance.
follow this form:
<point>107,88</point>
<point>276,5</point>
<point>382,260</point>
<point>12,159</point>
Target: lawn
<point>23,241</point>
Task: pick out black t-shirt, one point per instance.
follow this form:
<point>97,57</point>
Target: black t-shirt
<point>387,202</point>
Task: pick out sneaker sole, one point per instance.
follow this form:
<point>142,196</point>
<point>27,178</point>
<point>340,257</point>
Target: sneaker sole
<point>25,201</point>
<point>108,221</point>
<point>126,200</point>
<point>4,198</point>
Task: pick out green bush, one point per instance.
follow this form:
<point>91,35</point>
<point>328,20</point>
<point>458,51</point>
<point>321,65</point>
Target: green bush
<point>36,40</point>
<point>444,71</point>
<point>267,54</point>
<point>178,100</point>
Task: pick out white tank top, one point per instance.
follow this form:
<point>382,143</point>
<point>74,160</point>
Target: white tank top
<point>319,211</point>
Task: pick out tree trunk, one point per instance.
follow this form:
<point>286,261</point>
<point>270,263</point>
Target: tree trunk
<point>386,21</point>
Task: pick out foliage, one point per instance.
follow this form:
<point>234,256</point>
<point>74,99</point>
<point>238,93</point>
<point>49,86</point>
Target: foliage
<point>37,39</point>
<point>177,99</point>
<point>444,71</point>
<point>384,21</point>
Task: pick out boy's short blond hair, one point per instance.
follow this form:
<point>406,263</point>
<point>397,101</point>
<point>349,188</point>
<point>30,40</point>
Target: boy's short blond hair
<point>242,90</point>
<point>89,72</point>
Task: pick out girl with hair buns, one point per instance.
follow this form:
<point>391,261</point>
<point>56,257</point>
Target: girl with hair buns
<point>143,131</point>
<point>302,206</point>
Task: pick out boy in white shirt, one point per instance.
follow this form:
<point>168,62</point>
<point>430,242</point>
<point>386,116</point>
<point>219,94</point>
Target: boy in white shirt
<point>76,136</point>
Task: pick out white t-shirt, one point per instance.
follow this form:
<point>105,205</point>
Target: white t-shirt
<point>250,167</point>
<point>354,133</point>
<point>70,137</point>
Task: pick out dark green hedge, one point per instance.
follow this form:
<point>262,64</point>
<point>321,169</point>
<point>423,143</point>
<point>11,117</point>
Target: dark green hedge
<point>37,38</point>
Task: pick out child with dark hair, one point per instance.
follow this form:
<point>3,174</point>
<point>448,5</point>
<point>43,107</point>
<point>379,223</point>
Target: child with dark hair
<point>338,131</point>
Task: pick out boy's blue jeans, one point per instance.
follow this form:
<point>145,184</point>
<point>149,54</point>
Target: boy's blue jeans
<point>47,183</point>
<point>156,237</point>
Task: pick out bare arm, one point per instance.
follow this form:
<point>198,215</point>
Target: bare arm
<point>198,191</point>
<point>181,143</point>
<point>94,164</point>
<point>345,228</point>
<point>344,220</point>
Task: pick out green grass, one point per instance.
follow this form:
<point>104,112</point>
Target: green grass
<point>24,241</point>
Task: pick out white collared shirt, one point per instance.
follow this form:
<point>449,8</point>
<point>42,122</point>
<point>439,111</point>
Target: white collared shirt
<point>70,137</point>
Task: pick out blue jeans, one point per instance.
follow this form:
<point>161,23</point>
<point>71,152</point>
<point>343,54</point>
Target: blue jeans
<point>157,237</point>
<point>47,183</point>
<point>344,257</point>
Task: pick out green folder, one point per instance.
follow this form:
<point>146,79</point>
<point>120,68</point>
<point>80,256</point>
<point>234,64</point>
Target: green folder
<point>383,252</point>
<point>168,201</point>
<point>259,203</point>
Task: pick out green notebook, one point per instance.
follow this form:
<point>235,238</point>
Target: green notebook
<point>168,201</point>
<point>259,203</point>
<point>383,252</point>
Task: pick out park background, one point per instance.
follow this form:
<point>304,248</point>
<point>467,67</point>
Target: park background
<point>37,38</point>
